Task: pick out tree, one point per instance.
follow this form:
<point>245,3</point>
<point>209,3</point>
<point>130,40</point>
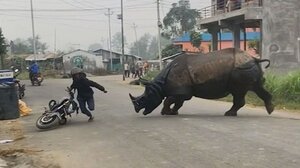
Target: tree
<point>196,39</point>
<point>254,44</point>
<point>153,47</point>
<point>95,46</point>
<point>116,42</point>
<point>179,19</point>
<point>40,47</point>
<point>170,50</point>
<point>140,47</point>
<point>21,46</point>
<point>148,46</point>
<point>2,48</point>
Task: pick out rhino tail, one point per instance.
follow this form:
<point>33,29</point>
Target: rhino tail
<point>263,60</point>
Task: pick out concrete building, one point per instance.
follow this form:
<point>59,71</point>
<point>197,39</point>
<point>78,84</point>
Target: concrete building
<point>278,21</point>
<point>89,62</point>
<point>115,64</point>
<point>224,42</point>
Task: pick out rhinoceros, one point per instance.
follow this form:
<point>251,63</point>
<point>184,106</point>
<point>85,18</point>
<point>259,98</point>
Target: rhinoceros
<point>210,76</point>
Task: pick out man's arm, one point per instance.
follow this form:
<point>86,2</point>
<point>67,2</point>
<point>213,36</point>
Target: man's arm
<point>96,85</point>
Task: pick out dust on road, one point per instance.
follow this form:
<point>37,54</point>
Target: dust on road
<point>16,154</point>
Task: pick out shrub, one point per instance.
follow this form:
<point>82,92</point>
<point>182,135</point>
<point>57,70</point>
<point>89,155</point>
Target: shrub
<point>151,75</point>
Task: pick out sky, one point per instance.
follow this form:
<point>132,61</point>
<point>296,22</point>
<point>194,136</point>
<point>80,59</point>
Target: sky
<point>65,24</point>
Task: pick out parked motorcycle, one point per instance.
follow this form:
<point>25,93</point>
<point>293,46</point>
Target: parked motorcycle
<point>21,87</point>
<point>37,79</point>
<point>58,112</point>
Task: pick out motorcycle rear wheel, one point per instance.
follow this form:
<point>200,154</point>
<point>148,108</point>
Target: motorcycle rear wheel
<point>46,121</point>
<point>21,95</point>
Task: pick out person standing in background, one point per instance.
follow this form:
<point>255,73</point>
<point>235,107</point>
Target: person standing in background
<point>126,69</point>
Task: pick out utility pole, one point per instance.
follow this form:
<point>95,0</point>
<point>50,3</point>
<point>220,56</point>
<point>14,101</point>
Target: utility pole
<point>159,25</point>
<point>137,44</point>
<point>122,32</point>
<point>54,49</point>
<point>54,41</point>
<point>109,13</point>
<point>33,33</point>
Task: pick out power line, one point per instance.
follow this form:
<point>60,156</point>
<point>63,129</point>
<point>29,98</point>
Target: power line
<point>53,10</point>
<point>66,2</point>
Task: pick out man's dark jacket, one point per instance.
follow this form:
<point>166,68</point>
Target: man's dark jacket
<point>83,86</point>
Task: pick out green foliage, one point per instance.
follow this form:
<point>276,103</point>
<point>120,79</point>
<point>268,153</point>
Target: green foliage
<point>289,87</point>
<point>170,50</point>
<point>116,42</point>
<point>95,46</point>
<point>196,39</point>
<point>151,75</point>
<point>21,46</point>
<point>141,46</point>
<point>254,44</point>
<point>147,46</point>
<point>285,89</point>
<point>272,83</point>
<point>2,48</point>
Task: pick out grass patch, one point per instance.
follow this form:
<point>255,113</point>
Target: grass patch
<point>151,75</point>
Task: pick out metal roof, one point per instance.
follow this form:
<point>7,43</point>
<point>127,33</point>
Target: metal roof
<point>40,57</point>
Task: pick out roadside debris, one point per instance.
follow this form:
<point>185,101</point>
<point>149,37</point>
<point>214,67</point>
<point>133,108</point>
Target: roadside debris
<point>6,141</point>
<point>23,108</point>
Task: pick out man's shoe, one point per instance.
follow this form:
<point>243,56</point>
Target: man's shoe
<point>91,119</point>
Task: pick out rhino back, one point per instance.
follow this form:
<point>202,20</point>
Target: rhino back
<point>204,75</point>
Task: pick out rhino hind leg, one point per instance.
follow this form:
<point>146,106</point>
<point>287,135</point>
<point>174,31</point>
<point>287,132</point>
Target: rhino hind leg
<point>167,110</point>
<point>238,102</point>
<point>266,97</point>
<point>178,104</point>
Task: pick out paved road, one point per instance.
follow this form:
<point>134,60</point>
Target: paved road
<point>199,137</point>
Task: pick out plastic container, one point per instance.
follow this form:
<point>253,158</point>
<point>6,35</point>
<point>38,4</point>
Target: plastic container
<point>9,108</point>
<point>6,76</point>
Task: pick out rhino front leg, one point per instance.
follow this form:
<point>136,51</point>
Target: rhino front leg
<point>166,108</point>
<point>238,102</point>
<point>177,101</point>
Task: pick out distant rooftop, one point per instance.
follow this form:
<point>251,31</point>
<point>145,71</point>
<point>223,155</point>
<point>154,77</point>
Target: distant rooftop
<point>40,57</point>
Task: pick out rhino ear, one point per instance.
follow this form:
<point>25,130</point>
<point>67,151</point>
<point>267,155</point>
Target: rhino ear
<point>144,81</point>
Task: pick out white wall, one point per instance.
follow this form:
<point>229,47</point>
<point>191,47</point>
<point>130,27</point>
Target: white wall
<point>90,61</point>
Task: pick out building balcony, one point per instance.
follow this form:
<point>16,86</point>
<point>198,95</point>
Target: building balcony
<point>232,10</point>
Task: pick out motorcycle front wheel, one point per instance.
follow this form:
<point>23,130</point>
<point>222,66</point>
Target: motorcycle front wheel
<point>63,121</point>
<point>47,121</point>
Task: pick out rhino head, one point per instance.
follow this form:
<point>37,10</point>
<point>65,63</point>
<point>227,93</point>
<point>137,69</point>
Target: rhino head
<point>149,100</point>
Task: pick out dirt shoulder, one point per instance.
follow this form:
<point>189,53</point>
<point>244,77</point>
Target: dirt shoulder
<point>15,154</point>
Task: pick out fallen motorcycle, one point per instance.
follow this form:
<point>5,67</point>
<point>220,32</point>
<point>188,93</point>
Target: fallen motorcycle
<point>58,112</point>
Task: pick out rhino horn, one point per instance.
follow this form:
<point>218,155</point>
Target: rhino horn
<point>131,97</point>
